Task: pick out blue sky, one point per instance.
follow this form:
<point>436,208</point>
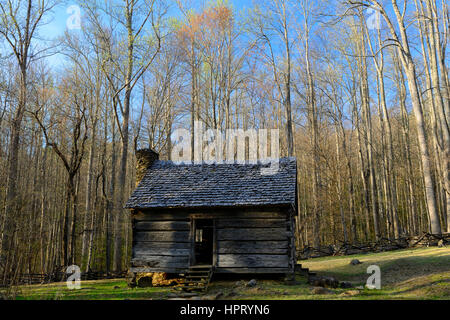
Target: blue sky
<point>57,24</point>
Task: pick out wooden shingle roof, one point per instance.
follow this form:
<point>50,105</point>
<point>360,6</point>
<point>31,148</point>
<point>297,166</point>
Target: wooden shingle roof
<point>170,185</point>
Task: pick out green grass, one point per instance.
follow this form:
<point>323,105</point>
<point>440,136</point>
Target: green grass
<point>405,274</point>
<point>114,289</point>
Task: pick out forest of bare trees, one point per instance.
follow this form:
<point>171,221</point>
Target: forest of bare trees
<point>359,90</point>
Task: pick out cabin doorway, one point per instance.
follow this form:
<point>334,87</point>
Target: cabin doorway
<point>204,241</point>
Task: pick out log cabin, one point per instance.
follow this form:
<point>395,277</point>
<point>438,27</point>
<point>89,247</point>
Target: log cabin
<point>226,216</point>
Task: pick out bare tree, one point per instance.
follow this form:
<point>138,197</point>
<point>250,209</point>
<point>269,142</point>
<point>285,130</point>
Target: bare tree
<point>19,23</point>
<point>136,18</point>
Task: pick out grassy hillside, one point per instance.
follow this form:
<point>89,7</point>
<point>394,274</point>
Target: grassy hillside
<point>405,274</point>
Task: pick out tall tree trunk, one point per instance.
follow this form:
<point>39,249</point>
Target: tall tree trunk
<point>436,63</point>
<point>400,83</point>
<point>363,172</point>
<point>411,75</point>
<point>368,133</point>
<point>119,219</point>
<point>88,204</point>
<point>43,208</point>
<point>287,81</point>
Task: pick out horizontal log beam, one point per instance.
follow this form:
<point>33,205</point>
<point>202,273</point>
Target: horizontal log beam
<point>161,262</point>
<point>251,270</point>
<point>149,216</point>
<point>252,261</point>
<point>251,223</point>
<point>267,247</point>
<point>162,226</point>
<point>252,251</point>
<point>235,214</point>
<point>161,245</point>
<point>253,234</point>
<point>210,214</point>
<point>175,236</point>
<point>155,251</point>
<point>150,269</point>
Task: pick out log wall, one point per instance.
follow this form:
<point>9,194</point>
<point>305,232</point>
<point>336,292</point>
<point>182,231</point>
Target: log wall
<point>161,243</point>
<point>253,244</point>
<point>245,241</point>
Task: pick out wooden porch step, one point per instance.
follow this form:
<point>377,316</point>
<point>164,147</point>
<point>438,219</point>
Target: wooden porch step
<point>200,268</point>
<point>197,278</point>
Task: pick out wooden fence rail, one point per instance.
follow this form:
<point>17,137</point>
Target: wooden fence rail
<point>384,244</point>
<point>37,278</point>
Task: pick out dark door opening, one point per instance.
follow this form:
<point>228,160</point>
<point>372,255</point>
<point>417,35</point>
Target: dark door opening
<point>204,241</point>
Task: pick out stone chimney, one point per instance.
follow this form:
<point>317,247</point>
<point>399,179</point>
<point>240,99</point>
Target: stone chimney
<point>144,159</point>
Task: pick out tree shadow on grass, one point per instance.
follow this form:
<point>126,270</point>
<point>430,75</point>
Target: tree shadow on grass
<point>393,271</point>
<point>429,284</point>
